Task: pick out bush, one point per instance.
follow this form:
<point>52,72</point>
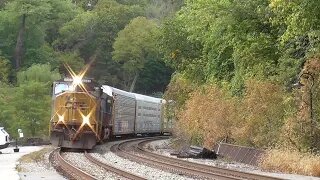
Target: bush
<point>208,116</point>
<point>262,113</point>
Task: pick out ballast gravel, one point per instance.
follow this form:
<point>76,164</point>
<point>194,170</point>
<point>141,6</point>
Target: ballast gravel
<point>103,153</point>
<point>80,161</point>
<point>42,165</point>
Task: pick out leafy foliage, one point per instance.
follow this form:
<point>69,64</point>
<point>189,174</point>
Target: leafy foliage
<point>31,99</point>
<point>254,50</point>
<point>179,52</point>
<point>153,78</point>
<point>135,46</point>
<point>38,73</point>
<point>262,113</point>
<point>4,69</point>
<point>135,43</point>
<point>33,102</point>
<point>7,110</point>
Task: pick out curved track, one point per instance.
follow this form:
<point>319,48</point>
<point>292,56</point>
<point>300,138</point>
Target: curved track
<point>129,149</point>
<point>113,169</point>
<point>73,172</point>
<point>66,168</point>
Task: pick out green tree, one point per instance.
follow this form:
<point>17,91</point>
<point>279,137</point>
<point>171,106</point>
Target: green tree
<point>236,36</point>
<point>134,44</point>
<point>160,9</point>
<point>7,110</point>
<point>181,53</point>
<point>85,4</point>
<point>28,25</point>
<point>40,73</point>
<point>33,100</point>
<point>4,69</point>
<point>153,78</point>
<point>36,10</point>
<point>92,34</point>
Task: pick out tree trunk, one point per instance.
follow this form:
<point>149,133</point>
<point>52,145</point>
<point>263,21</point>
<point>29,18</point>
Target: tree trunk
<point>18,53</point>
<point>134,82</point>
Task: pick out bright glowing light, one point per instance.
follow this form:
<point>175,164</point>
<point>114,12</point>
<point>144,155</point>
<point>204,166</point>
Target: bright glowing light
<point>86,120</point>
<point>77,80</point>
<point>61,118</point>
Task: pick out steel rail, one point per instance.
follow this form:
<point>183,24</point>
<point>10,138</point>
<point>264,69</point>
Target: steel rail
<point>113,169</point>
<point>219,170</point>
<point>68,169</point>
<point>121,151</point>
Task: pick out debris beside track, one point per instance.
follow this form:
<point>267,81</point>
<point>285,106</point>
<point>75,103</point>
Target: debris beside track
<point>196,152</point>
<point>241,154</point>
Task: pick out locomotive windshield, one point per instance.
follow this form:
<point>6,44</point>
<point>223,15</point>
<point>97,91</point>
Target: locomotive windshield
<point>66,84</point>
<point>59,88</point>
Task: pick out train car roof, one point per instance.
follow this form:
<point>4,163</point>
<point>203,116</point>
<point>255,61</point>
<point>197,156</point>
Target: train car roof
<point>147,98</point>
<point>109,90</point>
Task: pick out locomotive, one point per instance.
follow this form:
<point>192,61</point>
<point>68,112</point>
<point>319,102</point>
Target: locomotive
<point>85,113</point>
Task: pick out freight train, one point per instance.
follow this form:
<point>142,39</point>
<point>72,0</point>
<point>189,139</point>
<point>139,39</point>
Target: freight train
<point>85,113</point>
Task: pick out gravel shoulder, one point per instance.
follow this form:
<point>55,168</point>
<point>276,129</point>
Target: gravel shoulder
<point>163,147</point>
<point>36,166</point>
<point>9,160</point>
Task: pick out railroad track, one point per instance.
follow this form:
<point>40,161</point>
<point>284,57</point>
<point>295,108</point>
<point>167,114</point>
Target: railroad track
<point>74,172</point>
<point>129,149</point>
<point>234,173</point>
<point>66,168</point>
<point>113,169</point>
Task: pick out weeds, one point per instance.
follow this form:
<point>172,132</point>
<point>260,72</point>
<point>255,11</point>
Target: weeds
<point>291,161</point>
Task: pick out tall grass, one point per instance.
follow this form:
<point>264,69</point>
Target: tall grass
<point>291,161</point>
